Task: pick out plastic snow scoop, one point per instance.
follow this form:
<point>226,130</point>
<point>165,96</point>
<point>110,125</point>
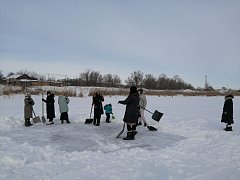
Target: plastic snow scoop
<point>90,120</point>
<point>36,119</point>
<point>43,118</point>
<point>156,115</point>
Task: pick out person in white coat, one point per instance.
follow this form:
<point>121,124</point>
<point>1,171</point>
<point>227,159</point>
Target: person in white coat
<point>63,108</point>
<point>142,104</point>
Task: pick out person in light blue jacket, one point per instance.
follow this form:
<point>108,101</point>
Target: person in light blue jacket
<point>63,108</point>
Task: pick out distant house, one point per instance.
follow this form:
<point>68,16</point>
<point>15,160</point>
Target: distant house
<point>20,80</point>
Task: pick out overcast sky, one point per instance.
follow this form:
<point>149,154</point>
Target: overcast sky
<point>189,38</point>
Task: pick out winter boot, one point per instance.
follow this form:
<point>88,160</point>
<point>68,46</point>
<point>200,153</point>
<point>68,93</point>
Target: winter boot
<point>140,123</point>
<point>68,122</point>
<point>134,132</point>
<point>129,136</point>
<point>50,122</point>
<point>61,121</point>
<point>228,128</point>
<point>28,123</point>
<point>145,124</point>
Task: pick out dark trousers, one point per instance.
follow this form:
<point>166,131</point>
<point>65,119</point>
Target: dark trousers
<point>64,116</point>
<point>96,119</point>
<point>131,127</point>
<point>107,117</point>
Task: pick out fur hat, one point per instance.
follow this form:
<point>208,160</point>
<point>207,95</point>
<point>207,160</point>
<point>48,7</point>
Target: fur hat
<point>229,96</point>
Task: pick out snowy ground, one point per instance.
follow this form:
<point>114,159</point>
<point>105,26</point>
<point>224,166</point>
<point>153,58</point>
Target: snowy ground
<point>189,143</point>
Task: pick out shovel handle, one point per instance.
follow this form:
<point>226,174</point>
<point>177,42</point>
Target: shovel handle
<point>146,109</point>
<point>34,113</point>
<point>91,111</point>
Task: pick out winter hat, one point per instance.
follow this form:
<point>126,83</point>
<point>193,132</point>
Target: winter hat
<point>27,94</point>
<point>48,92</point>
<point>229,96</point>
<point>141,91</point>
<point>133,89</point>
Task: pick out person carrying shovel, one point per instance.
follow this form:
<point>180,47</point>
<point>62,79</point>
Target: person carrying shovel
<point>28,109</point>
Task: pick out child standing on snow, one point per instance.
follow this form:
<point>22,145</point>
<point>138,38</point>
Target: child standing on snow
<point>227,115</point>
<point>108,111</point>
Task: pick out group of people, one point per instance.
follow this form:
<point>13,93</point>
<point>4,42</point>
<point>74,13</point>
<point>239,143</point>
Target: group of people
<point>135,102</point>
<point>63,108</point>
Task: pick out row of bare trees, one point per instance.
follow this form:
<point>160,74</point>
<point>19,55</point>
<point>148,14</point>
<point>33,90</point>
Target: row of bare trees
<point>137,78</point>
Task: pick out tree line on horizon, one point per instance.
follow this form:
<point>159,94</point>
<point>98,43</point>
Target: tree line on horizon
<point>95,78</point>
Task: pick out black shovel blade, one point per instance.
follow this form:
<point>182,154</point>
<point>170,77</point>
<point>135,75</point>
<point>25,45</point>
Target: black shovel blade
<point>151,128</point>
<point>88,121</point>
<point>157,115</point>
<point>43,119</point>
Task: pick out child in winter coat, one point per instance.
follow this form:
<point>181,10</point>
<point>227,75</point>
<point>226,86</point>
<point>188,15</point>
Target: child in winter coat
<point>108,111</point>
<point>227,115</point>
<point>63,108</point>
<point>28,108</point>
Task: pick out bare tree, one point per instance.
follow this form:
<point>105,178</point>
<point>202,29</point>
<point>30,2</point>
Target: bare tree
<point>10,74</point>
<point>136,79</point>
<point>85,77</point>
<point>1,76</point>
<point>95,78</point>
<point>149,81</point>
<point>111,80</point>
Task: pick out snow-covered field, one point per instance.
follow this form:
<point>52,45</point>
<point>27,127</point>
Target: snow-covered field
<point>189,143</point>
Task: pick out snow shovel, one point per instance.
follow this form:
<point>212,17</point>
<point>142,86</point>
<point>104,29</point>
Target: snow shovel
<point>43,118</point>
<point>156,115</point>
<point>119,134</point>
<point>151,128</point>
<point>36,119</point>
<point>90,120</point>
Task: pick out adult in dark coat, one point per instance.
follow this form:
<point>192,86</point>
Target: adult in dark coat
<point>227,115</point>
<point>131,112</point>
<point>28,108</point>
<point>50,106</point>
<point>98,108</point>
